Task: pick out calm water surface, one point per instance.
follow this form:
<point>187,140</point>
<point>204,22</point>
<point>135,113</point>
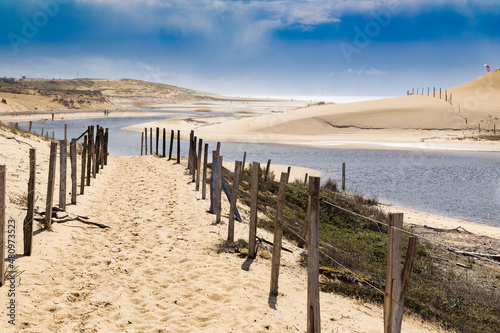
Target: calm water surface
<point>462,185</point>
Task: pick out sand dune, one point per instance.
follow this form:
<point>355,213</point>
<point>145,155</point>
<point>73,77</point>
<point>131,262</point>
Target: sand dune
<point>401,122</point>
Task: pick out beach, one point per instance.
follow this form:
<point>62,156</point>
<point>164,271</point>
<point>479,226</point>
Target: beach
<point>157,267</point>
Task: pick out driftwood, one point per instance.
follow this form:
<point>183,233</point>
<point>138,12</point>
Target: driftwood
<point>457,229</point>
<point>262,240</point>
<point>66,218</point>
<point>81,219</point>
<point>475,254</point>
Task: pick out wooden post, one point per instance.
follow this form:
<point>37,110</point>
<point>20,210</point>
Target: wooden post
<point>157,140</point>
<point>393,279</point>
<point>106,141</point>
<point>305,227</point>
<point>66,132</point>
<point>164,143</point>
<point>146,142</point>
<point>42,132</point>
<point>3,195</point>
<point>190,152</point>
<point>94,147</point>
<point>198,164</point>
<point>142,143</point>
<point>97,149</point>
<point>72,157</point>
<point>305,179</point>
<point>253,210</point>
<point>101,151</point>
<point>243,164</point>
<point>218,207</point>
<point>218,148</point>
<point>89,156</point>
<point>194,162</point>
<point>343,176</point>
<point>313,310</point>
<point>213,183</point>
<point>28,221</point>
<point>234,196</point>
<point>278,234</point>
<point>50,185</point>
<point>84,166</point>
<point>151,141</point>
<point>434,93</point>
<point>479,128</point>
<point>267,171</point>
<point>289,171</point>
<point>63,161</point>
<point>171,144</point>
<point>494,129</point>
<point>405,277</point>
<point>178,146</point>
<point>428,90</point>
<point>204,182</point>
<point>446,95</point>
<point>440,93</point>
<point>31,124</point>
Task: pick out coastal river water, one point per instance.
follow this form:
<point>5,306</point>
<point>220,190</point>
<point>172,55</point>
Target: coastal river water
<point>463,185</point>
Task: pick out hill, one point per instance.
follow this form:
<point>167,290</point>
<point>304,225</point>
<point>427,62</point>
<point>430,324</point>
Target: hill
<point>87,94</point>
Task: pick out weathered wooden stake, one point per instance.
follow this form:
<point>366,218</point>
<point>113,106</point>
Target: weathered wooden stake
<point>190,152</point>
<point>313,311</point>
<point>218,207</point>
<point>178,146</point>
<point>243,164</point>
<point>146,142</point>
<point>194,157</point>
<point>343,176</point>
<point>89,156</point>
<point>142,143</point>
<point>151,141</point>
<point>3,195</point>
<point>434,93</point>
<point>106,146</point>
<point>278,234</point>
<point>28,221</point>
<point>171,144</point>
<point>31,124</point>
<point>198,164</point>
<point>164,143</point>
<point>253,210</point>
<point>305,179</point>
<point>218,148</point>
<point>84,166</point>
<point>234,196</point>
<point>66,132</point>
<point>267,171</point>
<point>97,151</point>
<point>405,277</point>
<point>289,171</point>
<point>74,172</point>
<point>63,161</point>
<point>204,182</point>
<point>157,140</point>
<point>393,279</point>
<point>50,185</point>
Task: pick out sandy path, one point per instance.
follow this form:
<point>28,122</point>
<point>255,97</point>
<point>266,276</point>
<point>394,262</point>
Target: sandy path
<point>156,269</point>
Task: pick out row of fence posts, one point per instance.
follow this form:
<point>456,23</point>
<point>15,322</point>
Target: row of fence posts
<point>447,98</point>
<point>94,157</point>
<point>397,281</point>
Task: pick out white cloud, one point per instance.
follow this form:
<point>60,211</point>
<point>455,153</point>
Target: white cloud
<point>371,71</point>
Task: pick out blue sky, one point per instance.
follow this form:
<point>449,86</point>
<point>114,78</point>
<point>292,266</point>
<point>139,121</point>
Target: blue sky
<point>250,47</point>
